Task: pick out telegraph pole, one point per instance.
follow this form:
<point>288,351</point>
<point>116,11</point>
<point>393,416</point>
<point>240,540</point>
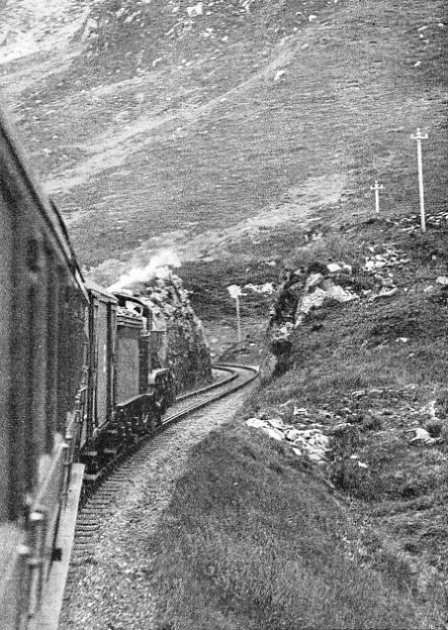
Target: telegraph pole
<point>235,292</point>
<point>419,136</point>
<point>377,189</point>
<point>238,318</point>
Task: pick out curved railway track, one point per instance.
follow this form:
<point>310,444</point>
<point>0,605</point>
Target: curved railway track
<point>95,507</point>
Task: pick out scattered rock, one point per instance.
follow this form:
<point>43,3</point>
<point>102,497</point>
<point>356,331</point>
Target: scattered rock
<point>412,224</point>
<point>339,294</point>
<point>280,74</point>
<point>313,280</point>
<point>256,423</point>
<point>267,287</point>
<point>274,433</point>
<point>384,293</point>
<point>196,10</point>
<point>311,301</point>
<point>422,435</point>
<point>277,424</point>
<point>319,289</point>
<point>311,441</point>
<point>293,435</point>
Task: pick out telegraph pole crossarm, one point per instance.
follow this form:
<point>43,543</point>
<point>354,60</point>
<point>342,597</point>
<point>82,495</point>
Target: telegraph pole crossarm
<point>419,136</point>
<point>377,189</point>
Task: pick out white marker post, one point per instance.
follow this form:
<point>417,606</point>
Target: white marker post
<point>235,292</point>
<point>419,136</point>
<point>377,189</point>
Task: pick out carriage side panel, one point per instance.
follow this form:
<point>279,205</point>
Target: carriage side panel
<point>129,331</point>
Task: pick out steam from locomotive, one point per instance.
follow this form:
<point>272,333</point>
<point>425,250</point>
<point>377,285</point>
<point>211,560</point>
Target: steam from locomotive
<point>159,266</point>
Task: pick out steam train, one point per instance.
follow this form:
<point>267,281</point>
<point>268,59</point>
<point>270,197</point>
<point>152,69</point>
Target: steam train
<point>81,373</point>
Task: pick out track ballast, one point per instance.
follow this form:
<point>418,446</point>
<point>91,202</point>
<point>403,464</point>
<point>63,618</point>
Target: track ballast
<point>100,498</point>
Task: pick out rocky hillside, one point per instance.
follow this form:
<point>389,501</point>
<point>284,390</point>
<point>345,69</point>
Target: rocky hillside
<point>245,135</point>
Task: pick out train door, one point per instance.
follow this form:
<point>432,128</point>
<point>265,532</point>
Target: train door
<point>128,366</point>
<point>105,361</point>
<point>93,362</point>
<point>102,357</point>
<point>102,376</point>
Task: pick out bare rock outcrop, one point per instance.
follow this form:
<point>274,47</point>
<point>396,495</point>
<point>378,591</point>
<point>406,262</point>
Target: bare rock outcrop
<point>181,343</point>
<point>302,292</point>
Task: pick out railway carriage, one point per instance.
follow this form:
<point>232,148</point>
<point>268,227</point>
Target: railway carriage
<point>43,379</point>
<point>121,402</point>
<point>83,376</point>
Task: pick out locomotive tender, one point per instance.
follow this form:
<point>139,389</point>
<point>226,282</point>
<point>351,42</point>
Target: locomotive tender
<point>81,374</point>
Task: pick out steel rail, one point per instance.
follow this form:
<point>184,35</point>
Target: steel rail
<point>101,497</point>
<point>131,447</point>
<point>207,388</point>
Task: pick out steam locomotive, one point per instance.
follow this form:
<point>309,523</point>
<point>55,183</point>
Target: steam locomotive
<point>81,373</point>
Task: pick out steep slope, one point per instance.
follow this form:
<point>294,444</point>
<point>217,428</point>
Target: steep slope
<point>246,145</point>
<point>152,123</point>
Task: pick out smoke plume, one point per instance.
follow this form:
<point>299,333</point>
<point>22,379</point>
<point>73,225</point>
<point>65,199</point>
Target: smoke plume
<point>159,266</point>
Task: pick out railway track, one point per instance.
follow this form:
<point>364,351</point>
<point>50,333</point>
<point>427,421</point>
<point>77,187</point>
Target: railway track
<point>100,501</point>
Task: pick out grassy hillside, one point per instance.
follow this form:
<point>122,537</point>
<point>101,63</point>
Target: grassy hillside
<point>145,132</point>
<point>256,537</point>
<point>250,137</point>
<point>253,538</point>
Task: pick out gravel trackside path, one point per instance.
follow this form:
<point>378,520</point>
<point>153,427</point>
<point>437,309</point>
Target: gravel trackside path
<point>111,590</point>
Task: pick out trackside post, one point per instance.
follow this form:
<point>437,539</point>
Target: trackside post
<point>419,136</point>
<point>235,292</point>
<point>377,189</point>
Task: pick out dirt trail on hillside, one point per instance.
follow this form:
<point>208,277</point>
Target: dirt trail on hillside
<point>113,150</point>
<point>142,136</point>
<point>297,210</point>
<point>302,201</point>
